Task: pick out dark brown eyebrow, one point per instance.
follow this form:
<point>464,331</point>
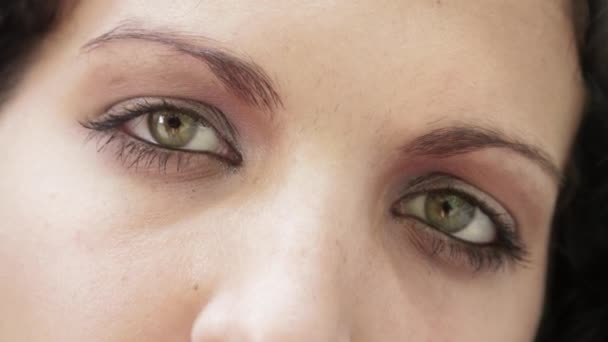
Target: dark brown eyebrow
<point>241,76</point>
<point>450,141</point>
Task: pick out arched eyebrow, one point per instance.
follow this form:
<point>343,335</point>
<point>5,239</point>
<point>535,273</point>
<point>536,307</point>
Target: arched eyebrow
<point>455,140</point>
<point>240,75</point>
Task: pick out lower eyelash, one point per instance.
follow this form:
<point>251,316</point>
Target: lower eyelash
<point>440,247</point>
<point>133,153</point>
<point>142,156</point>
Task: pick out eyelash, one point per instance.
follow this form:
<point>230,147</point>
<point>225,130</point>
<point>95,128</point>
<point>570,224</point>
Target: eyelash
<point>508,248</point>
<point>135,153</point>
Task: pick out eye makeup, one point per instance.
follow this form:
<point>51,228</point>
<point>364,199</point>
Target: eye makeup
<point>127,127</point>
<point>505,248</point>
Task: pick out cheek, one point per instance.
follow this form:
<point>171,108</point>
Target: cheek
<point>66,259</point>
<point>108,284</point>
<point>105,283</point>
<point>420,298</point>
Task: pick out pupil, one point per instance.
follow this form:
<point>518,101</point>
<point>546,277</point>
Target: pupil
<point>446,207</point>
<point>174,122</point>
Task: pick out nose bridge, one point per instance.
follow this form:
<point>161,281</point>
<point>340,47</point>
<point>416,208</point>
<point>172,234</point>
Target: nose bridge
<point>292,286</point>
<point>307,210</point>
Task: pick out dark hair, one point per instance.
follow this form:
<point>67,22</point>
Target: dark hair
<point>577,292</point>
<point>23,24</point>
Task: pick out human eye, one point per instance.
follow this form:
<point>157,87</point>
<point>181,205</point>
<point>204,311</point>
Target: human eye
<point>457,220</point>
<point>166,133</point>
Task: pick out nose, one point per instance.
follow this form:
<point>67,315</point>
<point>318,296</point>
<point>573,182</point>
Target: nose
<point>274,309</point>
<point>295,284</point>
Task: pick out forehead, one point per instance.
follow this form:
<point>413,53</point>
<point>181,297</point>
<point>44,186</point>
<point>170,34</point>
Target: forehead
<point>510,63</point>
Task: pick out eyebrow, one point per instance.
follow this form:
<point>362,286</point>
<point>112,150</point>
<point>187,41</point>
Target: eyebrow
<point>451,141</point>
<point>240,75</point>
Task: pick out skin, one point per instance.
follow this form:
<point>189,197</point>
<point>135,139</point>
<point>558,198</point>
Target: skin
<point>298,244</point>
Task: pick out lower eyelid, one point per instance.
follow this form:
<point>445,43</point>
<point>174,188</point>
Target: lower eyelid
<point>147,159</point>
<point>443,250</point>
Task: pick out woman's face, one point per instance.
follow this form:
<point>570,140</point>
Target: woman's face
<point>286,171</point>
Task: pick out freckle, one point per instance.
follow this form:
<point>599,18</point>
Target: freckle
<point>195,287</point>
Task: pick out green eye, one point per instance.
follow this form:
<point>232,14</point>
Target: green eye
<point>450,213</point>
<point>174,127</point>
<point>177,129</point>
<point>172,130</point>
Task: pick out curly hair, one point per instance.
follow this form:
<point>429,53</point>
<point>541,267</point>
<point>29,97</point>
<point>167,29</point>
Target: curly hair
<point>577,300</point>
<point>576,306</point>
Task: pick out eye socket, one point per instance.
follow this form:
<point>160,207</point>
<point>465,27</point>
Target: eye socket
<point>451,213</point>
